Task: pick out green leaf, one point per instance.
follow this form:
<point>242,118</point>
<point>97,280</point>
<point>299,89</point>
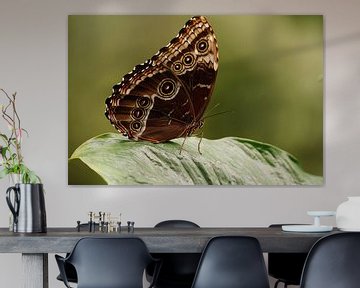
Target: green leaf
<point>3,151</point>
<point>226,161</point>
<point>26,132</point>
<point>4,137</point>
<point>4,172</point>
<point>28,176</point>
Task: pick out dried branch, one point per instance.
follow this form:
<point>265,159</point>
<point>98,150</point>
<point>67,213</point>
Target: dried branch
<point>10,152</point>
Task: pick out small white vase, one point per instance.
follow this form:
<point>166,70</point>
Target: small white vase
<point>348,214</point>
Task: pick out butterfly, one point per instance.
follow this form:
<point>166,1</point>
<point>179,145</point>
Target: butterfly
<point>166,97</point>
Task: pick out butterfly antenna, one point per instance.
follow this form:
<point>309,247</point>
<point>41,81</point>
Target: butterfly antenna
<point>213,108</point>
<point>219,113</point>
<point>215,114</point>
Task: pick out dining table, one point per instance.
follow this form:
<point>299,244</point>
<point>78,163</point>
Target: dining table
<point>35,247</point>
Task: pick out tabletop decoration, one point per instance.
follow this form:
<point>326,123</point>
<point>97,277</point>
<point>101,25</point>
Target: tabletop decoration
<point>348,214</point>
<point>315,227</point>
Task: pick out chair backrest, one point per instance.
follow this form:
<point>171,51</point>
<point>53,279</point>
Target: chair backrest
<point>178,269</point>
<point>232,262</point>
<point>287,267</point>
<point>333,262</point>
<point>110,262</point>
<point>176,224</point>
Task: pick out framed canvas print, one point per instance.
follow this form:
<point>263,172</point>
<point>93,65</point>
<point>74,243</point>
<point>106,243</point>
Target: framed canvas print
<point>195,100</point>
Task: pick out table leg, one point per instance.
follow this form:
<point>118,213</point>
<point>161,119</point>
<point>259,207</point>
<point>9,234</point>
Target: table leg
<point>35,270</point>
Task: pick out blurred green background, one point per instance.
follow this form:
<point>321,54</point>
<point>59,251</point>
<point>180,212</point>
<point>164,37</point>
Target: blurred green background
<point>270,78</point>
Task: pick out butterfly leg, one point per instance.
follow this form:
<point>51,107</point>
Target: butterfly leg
<point>201,137</point>
<point>182,145</point>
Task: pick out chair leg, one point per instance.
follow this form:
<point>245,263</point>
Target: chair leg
<point>279,281</point>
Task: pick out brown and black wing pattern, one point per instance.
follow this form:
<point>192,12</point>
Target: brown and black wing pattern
<point>166,97</point>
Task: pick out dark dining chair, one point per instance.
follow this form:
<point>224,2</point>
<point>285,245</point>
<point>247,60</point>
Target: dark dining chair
<point>108,263</point>
<point>286,267</point>
<point>70,271</point>
<point>177,269</point>
<point>333,262</point>
<point>232,262</point>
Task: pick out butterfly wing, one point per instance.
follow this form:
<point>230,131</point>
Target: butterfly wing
<point>166,97</point>
<point>150,112</point>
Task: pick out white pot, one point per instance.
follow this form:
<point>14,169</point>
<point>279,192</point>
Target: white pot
<point>348,214</point>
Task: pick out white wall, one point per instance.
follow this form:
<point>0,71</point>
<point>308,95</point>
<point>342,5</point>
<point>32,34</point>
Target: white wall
<point>33,62</point>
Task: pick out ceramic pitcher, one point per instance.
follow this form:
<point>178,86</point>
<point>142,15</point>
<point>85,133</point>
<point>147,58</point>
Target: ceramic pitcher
<point>27,207</point>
